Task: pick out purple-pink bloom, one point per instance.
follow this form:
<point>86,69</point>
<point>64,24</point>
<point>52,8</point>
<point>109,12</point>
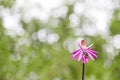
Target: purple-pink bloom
<point>84,52</point>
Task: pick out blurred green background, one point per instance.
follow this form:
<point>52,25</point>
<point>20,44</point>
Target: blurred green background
<point>37,37</point>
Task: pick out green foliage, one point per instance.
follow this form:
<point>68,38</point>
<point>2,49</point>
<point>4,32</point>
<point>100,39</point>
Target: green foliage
<point>7,3</point>
<point>115,25</point>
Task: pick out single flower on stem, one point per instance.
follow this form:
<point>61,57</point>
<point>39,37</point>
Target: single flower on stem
<point>84,52</point>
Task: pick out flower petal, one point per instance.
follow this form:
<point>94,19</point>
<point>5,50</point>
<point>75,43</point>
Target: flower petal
<point>92,53</point>
<point>75,55</point>
<point>95,52</point>
<point>84,59</point>
<point>80,46</point>
<point>90,46</point>
<point>75,51</point>
<point>80,56</point>
<point>91,56</point>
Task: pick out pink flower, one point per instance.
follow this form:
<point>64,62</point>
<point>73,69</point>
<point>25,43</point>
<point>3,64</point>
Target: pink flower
<point>84,52</point>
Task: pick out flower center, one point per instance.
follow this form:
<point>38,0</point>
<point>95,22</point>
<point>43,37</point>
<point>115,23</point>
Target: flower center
<point>85,53</point>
